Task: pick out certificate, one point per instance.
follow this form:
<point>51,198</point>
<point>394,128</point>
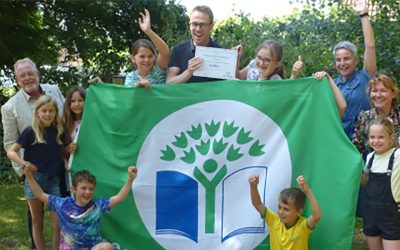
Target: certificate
<point>217,63</point>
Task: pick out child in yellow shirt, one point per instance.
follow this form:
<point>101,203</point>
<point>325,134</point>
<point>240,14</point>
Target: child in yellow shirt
<point>288,229</point>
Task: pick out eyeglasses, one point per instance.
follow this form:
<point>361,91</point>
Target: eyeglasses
<point>263,59</point>
<point>200,25</point>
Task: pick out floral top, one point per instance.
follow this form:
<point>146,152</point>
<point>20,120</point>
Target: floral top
<point>360,139</point>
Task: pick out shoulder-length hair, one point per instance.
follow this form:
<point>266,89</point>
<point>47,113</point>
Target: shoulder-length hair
<point>37,125</point>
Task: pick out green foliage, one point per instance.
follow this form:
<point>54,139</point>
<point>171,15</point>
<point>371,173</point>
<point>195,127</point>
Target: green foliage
<point>314,31</point>
<point>7,174</point>
<point>99,31</point>
<point>21,31</point>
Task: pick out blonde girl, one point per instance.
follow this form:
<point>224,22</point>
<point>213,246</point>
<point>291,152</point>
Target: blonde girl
<point>43,149</point>
<point>382,187</point>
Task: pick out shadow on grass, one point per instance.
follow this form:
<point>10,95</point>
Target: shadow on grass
<point>13,218</point>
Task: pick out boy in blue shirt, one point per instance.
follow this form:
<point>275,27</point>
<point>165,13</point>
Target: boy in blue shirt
<point>80,217</point>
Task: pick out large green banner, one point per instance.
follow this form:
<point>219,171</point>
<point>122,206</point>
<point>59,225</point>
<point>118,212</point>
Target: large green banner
<point>195,145</point>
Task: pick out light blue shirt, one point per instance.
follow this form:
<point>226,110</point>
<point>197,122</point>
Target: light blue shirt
<point>354,91</point>
<point>156,76</point>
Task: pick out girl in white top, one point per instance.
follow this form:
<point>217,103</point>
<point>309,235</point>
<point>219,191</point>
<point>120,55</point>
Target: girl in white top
<point>382,179</point>
<point>267,64</point>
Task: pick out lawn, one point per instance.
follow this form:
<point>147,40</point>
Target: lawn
<point>13,221</point>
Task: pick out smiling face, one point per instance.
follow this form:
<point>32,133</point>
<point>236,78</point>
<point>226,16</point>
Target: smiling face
<point>381,96</point>
<point>266,64</point>
<point>47,113</point>
<point>27,78</point>
<point>84,191</point>
<point>77,103</point>
<point>379,138</point>
<point>143,60</point>
<point>346,62</point>
<point>200,28</point>
<point>288,213</point>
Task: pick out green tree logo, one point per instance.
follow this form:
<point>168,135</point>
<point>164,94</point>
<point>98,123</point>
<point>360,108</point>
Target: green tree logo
<point>208,141</point>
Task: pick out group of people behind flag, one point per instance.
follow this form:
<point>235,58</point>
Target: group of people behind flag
<point>32,121</point>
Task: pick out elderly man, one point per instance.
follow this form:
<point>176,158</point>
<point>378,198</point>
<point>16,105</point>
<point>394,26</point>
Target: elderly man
<point>17,112</point>
<point>182,61</point>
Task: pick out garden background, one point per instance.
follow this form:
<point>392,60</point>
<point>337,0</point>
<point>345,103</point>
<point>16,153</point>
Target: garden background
<point>98,35</point>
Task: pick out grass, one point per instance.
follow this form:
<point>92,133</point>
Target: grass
<point>13,219</point>
<point>14,230</point>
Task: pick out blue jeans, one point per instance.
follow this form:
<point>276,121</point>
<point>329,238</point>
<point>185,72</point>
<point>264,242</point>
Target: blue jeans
<point>49,185</point>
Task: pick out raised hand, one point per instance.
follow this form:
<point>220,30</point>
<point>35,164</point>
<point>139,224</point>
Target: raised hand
<point>302,183</point>
<point>253,180</point>
<point>145,21</point>
<point>297,66</point>
<point>360,6</point>
<point>132,170</point>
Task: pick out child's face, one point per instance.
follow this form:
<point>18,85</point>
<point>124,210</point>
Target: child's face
<point>47,113</point>
<point>84,191</point>
<point>266,65</point>
<point>288,213</point>
<point>144,59</point>
<point>379,138</point>
<point>77,103</point>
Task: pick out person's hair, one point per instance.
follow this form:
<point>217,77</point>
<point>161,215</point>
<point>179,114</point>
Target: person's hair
<point>204,9</point>
<point>26,60</point>
<point>37,125</point>
<point>142,43</point>
<point>293,194</point>
<point>387,124</point>
<point>83,175</point>
<point>388,81</point>
<point>69,117</point>
<point>276,51</point>
<point>346,45</point>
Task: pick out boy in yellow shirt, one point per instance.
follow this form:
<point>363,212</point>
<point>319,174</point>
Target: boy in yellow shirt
<point>288,229</point>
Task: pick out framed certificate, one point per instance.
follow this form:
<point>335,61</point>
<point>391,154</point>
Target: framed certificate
<point>217,62</point>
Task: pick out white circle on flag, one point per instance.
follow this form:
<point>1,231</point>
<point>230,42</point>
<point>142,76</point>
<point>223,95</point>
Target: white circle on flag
<point>237,224</point>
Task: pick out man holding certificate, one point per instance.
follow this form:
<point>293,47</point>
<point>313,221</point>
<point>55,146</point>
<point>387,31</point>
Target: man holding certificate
<point>183,62</point>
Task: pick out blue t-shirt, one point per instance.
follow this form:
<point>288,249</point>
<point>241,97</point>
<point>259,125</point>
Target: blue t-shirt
<point>47,157</point>
<point>80,225</point>
<point>156,76</point>
<point>354,91</point>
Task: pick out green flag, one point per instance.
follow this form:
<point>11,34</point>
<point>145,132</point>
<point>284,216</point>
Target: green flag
<point>195,145</point>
